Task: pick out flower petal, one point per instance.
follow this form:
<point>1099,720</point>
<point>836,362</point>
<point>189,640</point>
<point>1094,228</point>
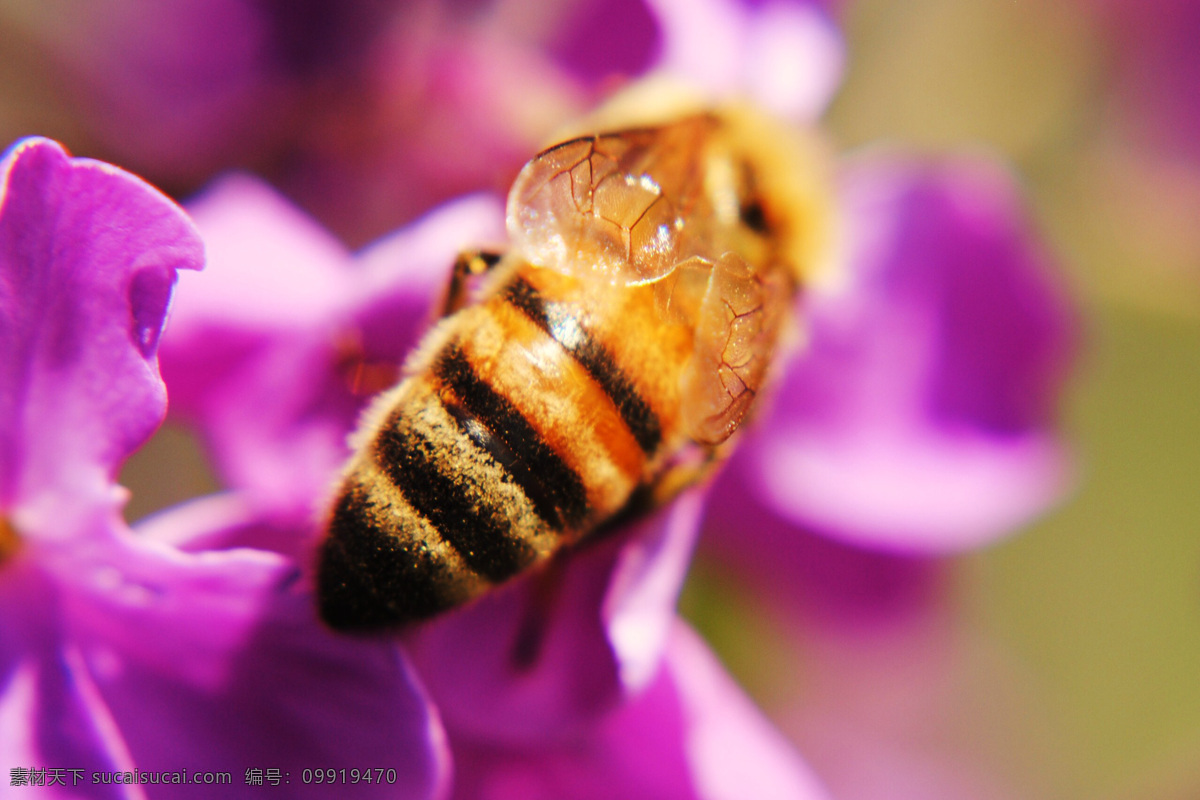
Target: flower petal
<point>50,714</point>
<point>88,256</point>
<point>606,38</point>
<point>919,419</point>
<point>251,345</point>
<point>639,607</point>
<point>215,661</point>
<point>801,571</point>
<point>787,56</point>
<point>269,263</point>
<point>181,89</point>
<point>732,750</point>
<point>922,493</point>
<point>552,651</point>
<point>403,276</point>
<point>265,357</point>
<point>691,734</point>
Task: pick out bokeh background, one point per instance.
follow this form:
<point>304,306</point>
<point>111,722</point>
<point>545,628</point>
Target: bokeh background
<point>1074,646</point>
<point>1066,660</point>
<point>1060,662</point>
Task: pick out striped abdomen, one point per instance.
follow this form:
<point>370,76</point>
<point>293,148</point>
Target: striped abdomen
<point>530,423</point>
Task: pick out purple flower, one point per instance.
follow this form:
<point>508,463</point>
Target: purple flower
<point>1156,69</point>
<point>369,112</point>
<point>786,56</point>
<point>119,652</point>
<point>690,734</point>
<point>276,386</point>
<point>274,350</point>
<point>928,387</point>
<point>917,418</point>
<point>937,361</point>
<point>178,90</point>
<point>920,418</point>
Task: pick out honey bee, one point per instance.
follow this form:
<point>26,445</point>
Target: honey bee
<point>602,365</point>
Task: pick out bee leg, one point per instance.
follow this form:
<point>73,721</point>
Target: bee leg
<point>694,467</point>
<point>469,264</point>
<point>530,638</point>
<point>689,471</point>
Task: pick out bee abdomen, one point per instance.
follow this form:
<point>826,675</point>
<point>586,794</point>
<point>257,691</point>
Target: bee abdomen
<point>494,425</point>
<point>474,528</point>
<point>455,493</point>
<point>562,326</point>
<point>380,567</point>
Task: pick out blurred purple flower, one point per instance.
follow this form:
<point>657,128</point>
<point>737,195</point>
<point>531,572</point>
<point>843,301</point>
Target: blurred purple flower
<point>456,103</point>
<point>370,112</point>
<point>179,90</point>
<point>118,652</point>
<point>275,382</point>
<point>938,362</point>
<point>786,56</point>
<point>919,419</point>
<point>916,358</point>
<point>274,350</point>
<point>691,733</point>
<point>353,107</point>
<point>1155,60</point>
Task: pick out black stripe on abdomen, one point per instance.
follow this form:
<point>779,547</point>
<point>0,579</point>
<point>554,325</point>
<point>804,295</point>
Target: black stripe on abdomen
<point>494,424</point>
<point>536,491</point>
<point>566,329</point>
<point>480,535</point>
<point>372,577</point>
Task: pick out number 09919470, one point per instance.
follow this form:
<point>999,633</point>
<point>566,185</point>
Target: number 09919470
<point>349,776</point>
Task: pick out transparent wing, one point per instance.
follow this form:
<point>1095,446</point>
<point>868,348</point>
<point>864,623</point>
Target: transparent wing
<point>630,205</point>
<point>738,321</point>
